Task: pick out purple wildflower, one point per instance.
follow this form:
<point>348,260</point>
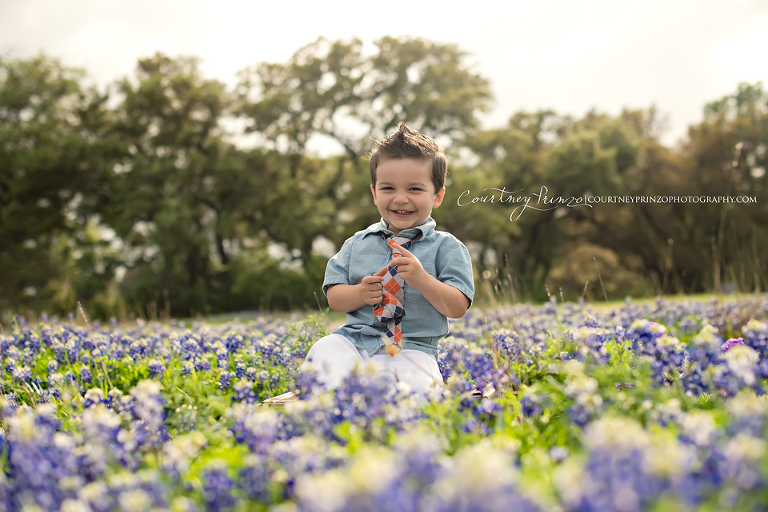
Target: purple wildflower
<point>731,342</point>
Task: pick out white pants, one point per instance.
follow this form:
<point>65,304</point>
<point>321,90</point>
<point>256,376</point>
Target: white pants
<point>334,358</point>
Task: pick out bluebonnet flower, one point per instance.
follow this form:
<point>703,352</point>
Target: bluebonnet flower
<point>234,342</point>
<point>256,427</point>
<point>217,485</point>
<point>703,354</point>
<point>549,308</point>
<point>590,341</point>
<point>301,455</point>
<point>307,383</point>
<point>220,351</point>
<point>741,462</point>
<point>315,414</point>
<point>371,482</point>
<point>225,380</point>
<point>255,476</point>
<point>481,412</point>
<point>704,348</point>
<point>479,478</point>
<point>694,380</point>
<point>643,331</point>
<point>138,348</point>
<point>756,336</point>
<point>626,470</point>
<point>139,491</point>
<point>721,450</point>
<point>202,365</point>
<point>748,413</point>
<point>101,447</point>
<point>85,375</point>
<point>149,412</point>
<point>267,345</point>
<point>21,374</point>
<point>361,396</point>
<point>665,353</point>
<point>191,347</point>
<point>360,400</point>
<point>421,453</point>
<point>402,477</point>
<point>187,368</point>
<point>283,358</point>
<point>739,371</point>
<point>156,368</point>
<point>479,365</point>
<point>508,342</point>
<point>12,355</point>
<point>95,496</point>
<point>583,391</point>
<point>38,459</point>
<point>664,413</point>
<point>178,454</point>
<point>698,429</point>
<point>113,398</point>
<point>244,391</point>
<point>93,396</point>
<point>531,404</point>
<point>449,353</point>
<point>687,325</point>
<point>263,377</point>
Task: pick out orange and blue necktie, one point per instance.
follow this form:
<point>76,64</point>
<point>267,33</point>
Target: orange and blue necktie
<point>391,310</point>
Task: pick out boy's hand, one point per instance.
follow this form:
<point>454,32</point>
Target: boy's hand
<point>409,267</point>
<point>370,287</point>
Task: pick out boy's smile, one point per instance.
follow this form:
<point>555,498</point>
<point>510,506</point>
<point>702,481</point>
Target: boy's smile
<point>404,192</point>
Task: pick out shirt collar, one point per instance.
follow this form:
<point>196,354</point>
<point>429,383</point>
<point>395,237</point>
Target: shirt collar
<point>424,229</point>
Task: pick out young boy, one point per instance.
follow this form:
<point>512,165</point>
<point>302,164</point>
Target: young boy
<point>408,173</point>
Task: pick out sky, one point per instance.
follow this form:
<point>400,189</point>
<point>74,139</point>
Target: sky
<point>563,55</point>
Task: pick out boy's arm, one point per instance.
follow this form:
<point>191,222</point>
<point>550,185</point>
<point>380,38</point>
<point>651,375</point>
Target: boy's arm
<point>447,299</point>
<point>349,297</point>
<point>345,297</point>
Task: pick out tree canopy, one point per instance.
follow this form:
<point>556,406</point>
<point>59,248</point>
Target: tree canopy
<point>144,197</point>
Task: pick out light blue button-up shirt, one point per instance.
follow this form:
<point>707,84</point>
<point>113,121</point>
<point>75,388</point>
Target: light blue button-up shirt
<point>366,252</point>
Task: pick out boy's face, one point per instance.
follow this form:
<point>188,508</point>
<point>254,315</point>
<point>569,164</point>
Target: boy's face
<point>404,192</point>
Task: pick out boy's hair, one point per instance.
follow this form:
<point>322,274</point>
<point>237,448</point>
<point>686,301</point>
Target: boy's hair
<point>408,143</point>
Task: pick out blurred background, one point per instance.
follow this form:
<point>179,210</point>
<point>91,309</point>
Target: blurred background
<point>182,158</point>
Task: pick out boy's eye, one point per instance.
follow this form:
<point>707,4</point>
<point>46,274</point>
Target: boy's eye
<point>392,188</point>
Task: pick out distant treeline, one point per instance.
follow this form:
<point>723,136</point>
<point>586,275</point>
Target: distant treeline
<point>168,193</point>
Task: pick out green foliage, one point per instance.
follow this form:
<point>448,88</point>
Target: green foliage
<point>144,200</point>
<point>47,168</point>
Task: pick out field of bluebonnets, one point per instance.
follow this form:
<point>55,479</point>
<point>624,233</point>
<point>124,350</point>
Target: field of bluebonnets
<point>648,406</point>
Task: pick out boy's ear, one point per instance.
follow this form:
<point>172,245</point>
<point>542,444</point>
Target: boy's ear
<point>373,191</point>
<point>439,198</point>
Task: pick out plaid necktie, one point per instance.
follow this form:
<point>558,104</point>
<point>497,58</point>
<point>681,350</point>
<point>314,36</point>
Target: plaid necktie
<point>391,309</point>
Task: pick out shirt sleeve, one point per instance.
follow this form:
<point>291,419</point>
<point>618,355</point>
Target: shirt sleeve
<point>454,267</point>
<point>337,270</point>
